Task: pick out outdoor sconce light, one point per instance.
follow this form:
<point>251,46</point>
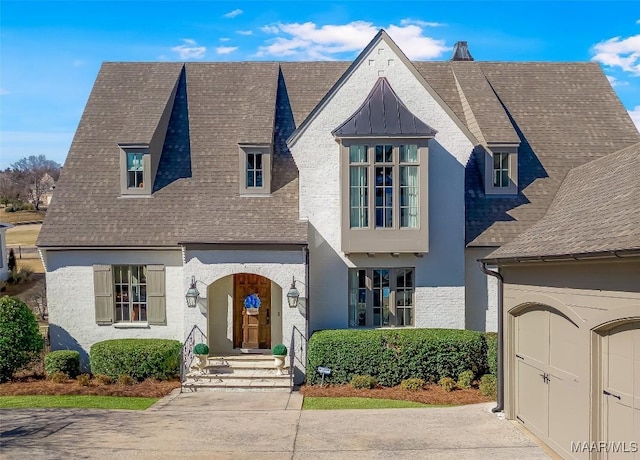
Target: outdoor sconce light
<point>293,295</point>
<point>192,294</point>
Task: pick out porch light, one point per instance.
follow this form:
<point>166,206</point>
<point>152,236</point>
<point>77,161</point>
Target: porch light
<point>293,295</point>
<point>192,293</point>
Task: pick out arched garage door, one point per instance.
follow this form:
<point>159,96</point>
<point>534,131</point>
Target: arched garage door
<point>548,402</point>
<point>620,424</point>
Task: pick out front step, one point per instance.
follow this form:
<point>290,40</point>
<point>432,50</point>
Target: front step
<point>243,372</point>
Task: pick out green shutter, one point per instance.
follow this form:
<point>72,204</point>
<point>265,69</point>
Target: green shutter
<point>103,291</point>
<point>156,303</point>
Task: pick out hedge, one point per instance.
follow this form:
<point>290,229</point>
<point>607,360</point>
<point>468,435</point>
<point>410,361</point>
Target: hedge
<point>394,355</point>
<point>65,361</point>
<point>138,358</point>
<point>492,352</point>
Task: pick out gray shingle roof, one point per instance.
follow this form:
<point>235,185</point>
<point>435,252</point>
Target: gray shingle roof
<point>597,209</point>
<point>563,114</point>
<point>383,114</point>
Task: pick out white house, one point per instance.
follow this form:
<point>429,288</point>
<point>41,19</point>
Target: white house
<point>374,184</point>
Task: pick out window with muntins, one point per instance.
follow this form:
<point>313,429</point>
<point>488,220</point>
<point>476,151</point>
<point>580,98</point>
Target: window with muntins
<point>501,170</point>
<point>385,178</point>
<point>135,170</point>
<point>380,297</point>
<point>254,170</point>
<point>130,289</point>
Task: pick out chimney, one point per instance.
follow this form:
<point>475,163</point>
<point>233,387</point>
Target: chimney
<point>461,52</point>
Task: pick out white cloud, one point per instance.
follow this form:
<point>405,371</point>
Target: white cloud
<point>635,116</point>
<point>234,13</point>
<point>226,49</point>
<point>78,63</point>
<point>189,50</point>
<point>308,41</point>
<point>418,22</point>
<point>619,52</point>
<point>244,32</point>
<point>3,92</point>
<point>224,39</point>
<point>615,82</point>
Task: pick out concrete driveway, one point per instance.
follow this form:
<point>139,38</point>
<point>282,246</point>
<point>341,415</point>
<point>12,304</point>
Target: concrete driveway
<point>215,425</point>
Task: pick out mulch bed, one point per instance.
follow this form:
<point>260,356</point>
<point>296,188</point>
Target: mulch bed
<point>41,386</point>
<point>431,394</point>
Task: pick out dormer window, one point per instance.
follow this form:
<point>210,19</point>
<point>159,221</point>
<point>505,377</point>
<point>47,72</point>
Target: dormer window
<point>501,170</point>
<point>135,170</point>
<point>255,170</point>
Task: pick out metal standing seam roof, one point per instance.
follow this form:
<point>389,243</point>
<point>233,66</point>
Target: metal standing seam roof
<point>383,114</point>
<point>564,114</point>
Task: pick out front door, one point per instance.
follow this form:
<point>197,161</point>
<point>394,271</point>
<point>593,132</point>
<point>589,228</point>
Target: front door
<point>251,331</point>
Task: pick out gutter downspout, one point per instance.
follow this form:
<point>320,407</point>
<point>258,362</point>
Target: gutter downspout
<point>500,406</point>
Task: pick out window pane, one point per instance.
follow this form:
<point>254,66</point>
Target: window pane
<point>258,161</point>
<point>250,161</point>
<point>358,197</point>
<point>384,196</point>
<point>409,195</point>
<point>358,154</point>
<point>250,182</point>
<point>384,153</point>
<point>357,298</point>
<point>259,178</point>
<point>409,153</point>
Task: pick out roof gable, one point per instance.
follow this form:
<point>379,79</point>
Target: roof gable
<point>383,114</point>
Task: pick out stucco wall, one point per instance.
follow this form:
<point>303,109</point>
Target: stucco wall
<point>481,293</point>
<point>70,297</point>
<point>440,280</point>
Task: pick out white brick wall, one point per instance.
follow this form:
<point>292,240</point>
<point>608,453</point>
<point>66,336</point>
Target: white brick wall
<point>440,273</point>
<point>481,293</point>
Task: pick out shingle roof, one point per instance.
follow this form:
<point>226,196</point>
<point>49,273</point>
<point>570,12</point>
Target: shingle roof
<point>383,114</point>
<point>597,209</point>
<point>563,114</point>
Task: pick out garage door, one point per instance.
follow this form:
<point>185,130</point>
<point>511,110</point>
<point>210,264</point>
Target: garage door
<point>621,390</point>
<point>547,387</point>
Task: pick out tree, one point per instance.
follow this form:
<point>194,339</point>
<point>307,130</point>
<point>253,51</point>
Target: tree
<point>9,190</point>
<point>35,175</point>
<point>20,339</point>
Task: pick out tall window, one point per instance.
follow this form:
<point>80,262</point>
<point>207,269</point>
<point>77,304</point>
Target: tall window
<point>254,170</point>
<point>135,170</point>
<point>384,178</point>
<point>381,297</point>
<point>130,283</point>
<point>501,169</point>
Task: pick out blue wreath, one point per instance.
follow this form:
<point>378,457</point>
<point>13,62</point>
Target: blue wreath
<point>252,301</point>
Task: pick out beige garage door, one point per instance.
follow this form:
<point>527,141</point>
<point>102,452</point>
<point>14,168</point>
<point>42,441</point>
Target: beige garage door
<point>621,391</point>
<point>546,384</point>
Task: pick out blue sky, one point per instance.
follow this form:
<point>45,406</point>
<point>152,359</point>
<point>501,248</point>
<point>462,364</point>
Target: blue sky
<point>50,51</point>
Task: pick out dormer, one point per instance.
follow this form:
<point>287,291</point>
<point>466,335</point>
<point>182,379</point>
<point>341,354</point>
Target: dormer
<point>255,161</point>
<point>384,152</point>
<point>135,169</point>
<point>501,169</point>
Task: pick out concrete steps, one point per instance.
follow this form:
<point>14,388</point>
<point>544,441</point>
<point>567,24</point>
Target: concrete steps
<point>238,372</point>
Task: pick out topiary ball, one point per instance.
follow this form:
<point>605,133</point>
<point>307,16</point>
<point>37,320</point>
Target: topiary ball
<point>201,349</point>
<point>279,350</point>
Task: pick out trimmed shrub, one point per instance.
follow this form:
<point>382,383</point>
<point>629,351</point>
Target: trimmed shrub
<point>492,352</point>
<point>279,350</point>
<point>103,379</point>
<point>447,383</point>
<point>125,379</point>
<point>465,379</point>
<point>363,381</point>
<point>201,349</point>
<point>412,384</point>
<point>489,385</point>
<point>66,361</point>
<point>20,339</point>
<point>83,380</point>
<point>138,358</point>
<point>395,355</point>
<point>58,377</point>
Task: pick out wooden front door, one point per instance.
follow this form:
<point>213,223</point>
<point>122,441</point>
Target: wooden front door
<point>251,331</point>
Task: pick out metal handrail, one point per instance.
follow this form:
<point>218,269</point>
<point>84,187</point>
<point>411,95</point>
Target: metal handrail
<point>186,354</point>
<point>298,351</point>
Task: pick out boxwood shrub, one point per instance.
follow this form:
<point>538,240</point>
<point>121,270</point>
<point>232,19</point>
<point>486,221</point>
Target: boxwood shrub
<point>492,352</point>
<point>394,355</point>
<point>65,361</point>
<point>138,358</point>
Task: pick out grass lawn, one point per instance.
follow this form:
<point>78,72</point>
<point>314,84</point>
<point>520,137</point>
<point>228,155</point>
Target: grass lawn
<point>34,264</point>
<point>75,401</point>
<point>23,235</point>
<point>20,216</point>
<point>316,403</point>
